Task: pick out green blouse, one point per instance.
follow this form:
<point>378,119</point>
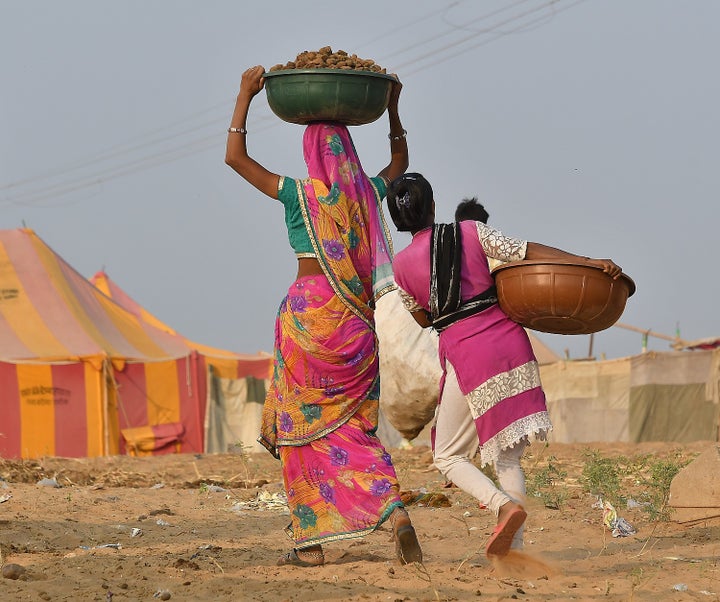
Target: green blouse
<point>297,233</point>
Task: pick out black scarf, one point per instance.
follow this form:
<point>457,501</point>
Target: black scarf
<point>445,254</point>
<point>446,306</point>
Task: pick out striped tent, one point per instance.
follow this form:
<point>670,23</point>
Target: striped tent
<point>236,383</point>
<point>80,375</point>
<point>226,364</point>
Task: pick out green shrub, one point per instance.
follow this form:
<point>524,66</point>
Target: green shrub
<point>546,484</point>
<point>601,476</point>
<point>657,492</point>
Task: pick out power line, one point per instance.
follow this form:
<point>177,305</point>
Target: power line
<point>159,136</point>
<point>112,172</point>
<point>428,40</point>
<point>443,10</point>
<point>123,169</point>
<point>120,149</point>
<point>496,29</point>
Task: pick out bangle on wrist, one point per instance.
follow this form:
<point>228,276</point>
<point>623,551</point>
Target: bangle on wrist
<point>240,130</point>
<point>400,137</point>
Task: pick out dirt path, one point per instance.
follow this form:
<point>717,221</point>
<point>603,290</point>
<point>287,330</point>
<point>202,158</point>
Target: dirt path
<point>210,528</point>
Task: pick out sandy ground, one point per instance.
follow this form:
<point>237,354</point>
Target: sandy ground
<point>210,528</point>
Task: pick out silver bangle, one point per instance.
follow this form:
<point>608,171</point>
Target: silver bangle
<point>400,137</point>
<point>237,131</point>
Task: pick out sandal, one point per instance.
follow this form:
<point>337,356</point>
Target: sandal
<point>292,558</point>
<point>501,538</point>
<point>407,546</point>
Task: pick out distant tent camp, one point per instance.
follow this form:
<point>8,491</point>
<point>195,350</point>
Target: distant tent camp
<point>82,376</point>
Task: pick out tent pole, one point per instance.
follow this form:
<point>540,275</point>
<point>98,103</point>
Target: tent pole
<point>677,341</point>
<point>106,434</point>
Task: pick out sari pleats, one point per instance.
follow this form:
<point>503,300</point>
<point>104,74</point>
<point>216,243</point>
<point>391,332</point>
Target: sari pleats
<point>342,485</point>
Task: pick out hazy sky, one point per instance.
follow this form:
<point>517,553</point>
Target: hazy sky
<point>589,125</point>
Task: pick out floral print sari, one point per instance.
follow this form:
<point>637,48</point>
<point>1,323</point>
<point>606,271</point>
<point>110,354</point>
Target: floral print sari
<point>320,414</point>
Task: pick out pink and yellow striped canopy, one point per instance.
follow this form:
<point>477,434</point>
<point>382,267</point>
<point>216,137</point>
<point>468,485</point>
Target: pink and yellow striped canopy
<point>88,372</point>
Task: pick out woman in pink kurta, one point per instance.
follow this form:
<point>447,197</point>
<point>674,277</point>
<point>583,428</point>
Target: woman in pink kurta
<point>490,394</point>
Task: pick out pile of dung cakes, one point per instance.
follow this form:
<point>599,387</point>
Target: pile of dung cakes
<point>325,58</point>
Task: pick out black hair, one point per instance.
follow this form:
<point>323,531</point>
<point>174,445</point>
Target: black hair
<point>410,202</point>
<point>471,209</point>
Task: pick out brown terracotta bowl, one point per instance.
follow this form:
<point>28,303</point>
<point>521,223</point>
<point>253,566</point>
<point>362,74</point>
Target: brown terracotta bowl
<point>561,297</point>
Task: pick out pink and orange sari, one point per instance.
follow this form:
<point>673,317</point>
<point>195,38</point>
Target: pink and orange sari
<point>321,411</point>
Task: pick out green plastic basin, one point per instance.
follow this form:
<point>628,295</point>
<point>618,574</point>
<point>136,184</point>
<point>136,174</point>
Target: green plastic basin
<point>305,95</point>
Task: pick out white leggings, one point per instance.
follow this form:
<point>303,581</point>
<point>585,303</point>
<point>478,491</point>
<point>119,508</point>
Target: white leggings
<point>456,443</point>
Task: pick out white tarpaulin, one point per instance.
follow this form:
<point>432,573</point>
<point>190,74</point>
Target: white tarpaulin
<point>655,396</point>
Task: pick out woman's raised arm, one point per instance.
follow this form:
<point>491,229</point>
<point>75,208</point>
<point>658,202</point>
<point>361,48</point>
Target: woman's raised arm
<point>236,155</point>
<point>399,158</point>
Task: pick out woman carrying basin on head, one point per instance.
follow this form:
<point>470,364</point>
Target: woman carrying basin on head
<point>321,411</point>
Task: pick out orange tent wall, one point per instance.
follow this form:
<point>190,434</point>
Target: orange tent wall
<point>153,394</point>
<point>74,410</point>
<point>51,410</point>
